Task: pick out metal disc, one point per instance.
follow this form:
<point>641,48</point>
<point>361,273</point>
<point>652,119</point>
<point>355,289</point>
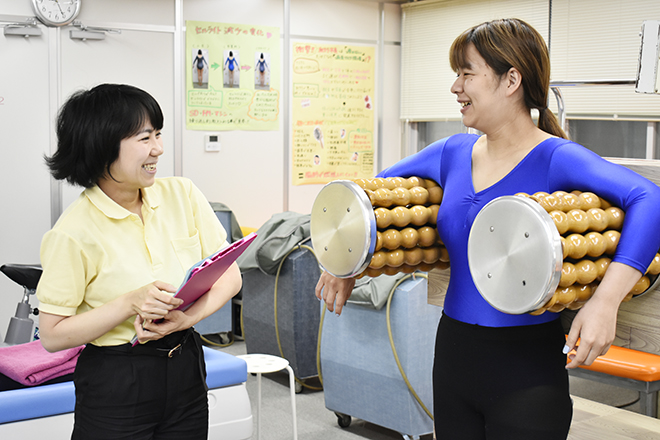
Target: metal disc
<point>515,254</point>
<point>343,229</point>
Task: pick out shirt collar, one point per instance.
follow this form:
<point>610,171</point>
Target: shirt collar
<point>112,209</point>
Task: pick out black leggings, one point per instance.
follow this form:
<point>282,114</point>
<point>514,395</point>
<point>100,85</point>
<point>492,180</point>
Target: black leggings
<point>505,383</point>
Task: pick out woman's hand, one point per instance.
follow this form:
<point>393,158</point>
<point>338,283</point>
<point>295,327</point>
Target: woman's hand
<point>152,330</point>
<point>595,323</point>
<point>334,291</point>
<point>152,302</point>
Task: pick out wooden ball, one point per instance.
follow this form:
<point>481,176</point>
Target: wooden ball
<point>601,265</point>
<point>390,270</point>
<point>561,221</point>
<point>612,240</point>
<point>383,217</point>
<point>379,182</point>
<point>430,254</point>
<point>419,195</point>
<point>391,239</point>
<point>419,215</point>
<point>395,258</point>
<point>409,237</point>
<point>401,216</point>
<point>433,216</point>
<point>572,202</point>
<point>589,200</point>
<point>383,197</point>
<point>427,236</point>
<point>587,272</point>
<point>615,217</point>
<point>584,292</point>
<point>378,260</point>
<point>597,219</point>
<point>401,196</point>
<point>550,202</point>
<point>654,267</point>
<point>430,183</point>
<point>372,197</point>
<point>413,257</point>
<point>597,244</point>
<point>379,241</point>
<point>444,254</point>
<point>578,246</point>
<point>641,285</point>
<point>577,220</point>
<point>566,295</point>
<point>398,182</point>
<point>568,275</point>
<point>416,181</point>
<point>565,247</point>
<point>435,194</point>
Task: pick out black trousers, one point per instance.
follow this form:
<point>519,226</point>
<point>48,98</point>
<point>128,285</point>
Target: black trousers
<point>500,383</point>
<point>142,393</point>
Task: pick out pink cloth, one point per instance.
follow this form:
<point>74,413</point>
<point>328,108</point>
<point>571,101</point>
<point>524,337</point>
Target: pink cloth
<point>30,364</point>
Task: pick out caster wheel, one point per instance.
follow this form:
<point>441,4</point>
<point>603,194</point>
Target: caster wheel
<point>343,420</point>
<point>299,387</point>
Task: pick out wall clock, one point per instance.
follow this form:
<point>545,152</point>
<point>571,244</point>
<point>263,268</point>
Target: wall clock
<point>56,12</point>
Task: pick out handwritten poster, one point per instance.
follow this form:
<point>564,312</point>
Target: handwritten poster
<point>232,76</point>
<point>332,112</point>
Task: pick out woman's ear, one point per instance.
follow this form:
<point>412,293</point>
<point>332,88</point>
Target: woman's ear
<point>513,81</point>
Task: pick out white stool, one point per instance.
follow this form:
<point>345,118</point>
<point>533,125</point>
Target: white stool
<point>265,363</point>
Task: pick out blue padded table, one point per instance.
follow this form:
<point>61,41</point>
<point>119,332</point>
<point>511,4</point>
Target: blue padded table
<point>47,411</point>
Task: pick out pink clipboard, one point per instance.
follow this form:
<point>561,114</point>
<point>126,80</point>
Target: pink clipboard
<point>201,276</point>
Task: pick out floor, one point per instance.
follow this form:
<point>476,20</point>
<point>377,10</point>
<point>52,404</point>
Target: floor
<point>318,423</point>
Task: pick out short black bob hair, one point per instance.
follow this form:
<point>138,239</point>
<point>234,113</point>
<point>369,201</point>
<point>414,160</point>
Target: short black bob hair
<point>90,128</point>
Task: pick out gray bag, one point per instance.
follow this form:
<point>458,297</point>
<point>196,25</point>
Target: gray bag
<point>275,238</point>
<point>373,292</point>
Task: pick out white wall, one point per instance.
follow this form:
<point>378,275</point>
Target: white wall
<point>260,191</point>
<point>38,74</point>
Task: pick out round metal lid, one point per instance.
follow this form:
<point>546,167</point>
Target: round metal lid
<point>343,229</point>
<point>515,255</point>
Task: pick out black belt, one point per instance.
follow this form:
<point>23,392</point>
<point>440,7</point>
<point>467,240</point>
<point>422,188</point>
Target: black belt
<point>169,346</point>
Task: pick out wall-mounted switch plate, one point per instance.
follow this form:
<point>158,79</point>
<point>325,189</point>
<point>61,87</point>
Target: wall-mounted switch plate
<point>212,142</point>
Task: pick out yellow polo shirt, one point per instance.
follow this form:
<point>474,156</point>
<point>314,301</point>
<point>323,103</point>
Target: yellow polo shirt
<point>98,250</point>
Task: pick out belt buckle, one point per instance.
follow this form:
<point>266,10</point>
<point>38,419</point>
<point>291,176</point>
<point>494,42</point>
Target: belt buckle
<point>175,350</point>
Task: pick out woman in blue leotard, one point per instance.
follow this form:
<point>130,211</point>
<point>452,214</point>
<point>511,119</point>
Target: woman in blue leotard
<point>198,63</point>
<point>231,64</point>
<point>261,67</point>
<point>499,376</point>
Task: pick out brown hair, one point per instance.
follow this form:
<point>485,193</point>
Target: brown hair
<point>508,43</point>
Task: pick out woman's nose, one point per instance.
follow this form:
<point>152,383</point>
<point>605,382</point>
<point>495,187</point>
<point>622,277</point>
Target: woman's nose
<point>457,87</point>
<point>157,147</point>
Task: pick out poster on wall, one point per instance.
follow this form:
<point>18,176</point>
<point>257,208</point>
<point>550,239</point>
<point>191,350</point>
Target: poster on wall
<point>232,78</point>
<point>332,112</point>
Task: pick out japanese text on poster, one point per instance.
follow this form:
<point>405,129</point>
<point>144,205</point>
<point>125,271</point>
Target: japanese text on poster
<point>232,78</point>
<point>332,113</point>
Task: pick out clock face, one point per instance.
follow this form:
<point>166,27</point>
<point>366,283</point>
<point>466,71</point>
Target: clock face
<point>56,12</point>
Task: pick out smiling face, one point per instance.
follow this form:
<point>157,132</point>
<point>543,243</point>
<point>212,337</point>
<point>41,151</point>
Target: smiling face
<point>479,91</point>
<point>135,168</point>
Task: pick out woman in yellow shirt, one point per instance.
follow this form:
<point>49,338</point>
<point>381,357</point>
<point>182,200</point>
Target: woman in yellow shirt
<point>110,267</point>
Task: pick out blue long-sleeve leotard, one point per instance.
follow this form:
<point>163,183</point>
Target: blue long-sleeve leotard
<point>554,165</point>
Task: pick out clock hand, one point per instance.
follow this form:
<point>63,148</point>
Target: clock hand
<point>59,7</point>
